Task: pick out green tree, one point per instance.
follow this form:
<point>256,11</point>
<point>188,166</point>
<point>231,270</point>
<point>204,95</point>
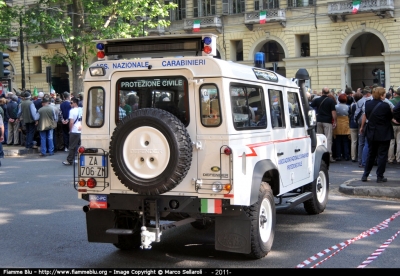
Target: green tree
<point>78,22</point>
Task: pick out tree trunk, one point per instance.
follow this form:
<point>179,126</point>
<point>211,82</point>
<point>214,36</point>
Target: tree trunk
<point>78,23</point>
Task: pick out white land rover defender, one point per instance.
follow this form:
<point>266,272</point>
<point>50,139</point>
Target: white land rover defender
<point>169,140</point>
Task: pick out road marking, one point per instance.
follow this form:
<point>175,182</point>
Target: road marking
<point>379,251</point>
<point>339,247</point>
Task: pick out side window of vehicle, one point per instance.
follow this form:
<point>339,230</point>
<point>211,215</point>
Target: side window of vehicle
<point>277,110</point>
<point>210,110</point>
<point>248,108</point>
<point>296,117</point>
<point>95,107</point>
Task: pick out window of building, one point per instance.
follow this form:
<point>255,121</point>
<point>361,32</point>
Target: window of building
<point>95,107</point>
<point>233,6</point>
<point>302,45</point>
<point>236,50</point>
<point>273,51</point>
<point>180,12</point>
<point>266,4</point>
<point>248,108</point>
<point>277,110</point>
<point>37,65</point>
<point>203,8</point>
<point>300,3</point>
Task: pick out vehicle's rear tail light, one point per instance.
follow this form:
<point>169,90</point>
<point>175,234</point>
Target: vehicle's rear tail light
<point>91,183</point>
<point>228,187</point>
<point>82,183</point>
<point>227,151</point>
<point>81,149</point>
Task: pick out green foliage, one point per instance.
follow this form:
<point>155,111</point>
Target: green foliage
<point>76,23</point>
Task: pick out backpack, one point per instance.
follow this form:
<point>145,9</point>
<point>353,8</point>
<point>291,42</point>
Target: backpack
<point>358,119</point>
<point>396,112</point>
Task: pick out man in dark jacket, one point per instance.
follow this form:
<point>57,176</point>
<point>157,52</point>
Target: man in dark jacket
<point>326,117</point>
<point>378,131</point>
<point>28,112</point>
<point>13,122</point>
<point>47,117</point>
<point>65,107</point>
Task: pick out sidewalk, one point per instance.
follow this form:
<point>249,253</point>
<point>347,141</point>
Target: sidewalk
<point>355,186</point>
<point>18,150</point>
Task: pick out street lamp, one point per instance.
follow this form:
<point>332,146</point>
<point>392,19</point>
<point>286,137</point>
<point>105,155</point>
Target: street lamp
<point>142,19</point>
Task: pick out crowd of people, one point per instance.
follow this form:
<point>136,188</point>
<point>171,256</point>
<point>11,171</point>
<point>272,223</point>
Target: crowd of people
<point>360,126</point>
<point>49,121</point>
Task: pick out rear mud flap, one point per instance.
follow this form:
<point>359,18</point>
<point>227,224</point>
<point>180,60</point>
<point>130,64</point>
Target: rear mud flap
<point>232,234</point>
<point>98,221</point>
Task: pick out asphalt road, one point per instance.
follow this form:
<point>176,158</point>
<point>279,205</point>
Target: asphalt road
<point>42,225</point>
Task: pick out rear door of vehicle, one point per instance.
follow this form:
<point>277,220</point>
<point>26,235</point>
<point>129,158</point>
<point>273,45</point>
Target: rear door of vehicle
<point>161,89</point>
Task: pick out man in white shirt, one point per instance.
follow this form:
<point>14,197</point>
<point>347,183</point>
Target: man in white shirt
<point>75,125</point>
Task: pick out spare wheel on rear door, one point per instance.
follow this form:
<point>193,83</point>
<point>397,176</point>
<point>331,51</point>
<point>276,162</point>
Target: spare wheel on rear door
<point>150,151</point>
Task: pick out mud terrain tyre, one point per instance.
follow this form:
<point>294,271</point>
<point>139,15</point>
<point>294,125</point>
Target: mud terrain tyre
<point>150,151</point>
<point>263,220</point>
<point>129,242</point>
<point>320,191</point>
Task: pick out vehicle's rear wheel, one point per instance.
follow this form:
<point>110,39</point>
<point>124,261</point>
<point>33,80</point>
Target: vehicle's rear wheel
<point>203,224</point>
<point>320,191</point>
<point>128,242</point>
<point>263,219</point>
<point>150,151</point>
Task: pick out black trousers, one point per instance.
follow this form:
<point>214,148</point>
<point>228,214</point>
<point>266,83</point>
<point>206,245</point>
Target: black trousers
<point>378,150</point>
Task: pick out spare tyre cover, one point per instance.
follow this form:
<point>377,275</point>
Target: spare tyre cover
<point>150,151</point>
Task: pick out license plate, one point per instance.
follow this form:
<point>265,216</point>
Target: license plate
<point>93,166</point>
<point>98,201</point>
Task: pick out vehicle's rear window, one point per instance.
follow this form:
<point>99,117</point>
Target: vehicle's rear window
<point>95,107</point>
<point>167,93</point>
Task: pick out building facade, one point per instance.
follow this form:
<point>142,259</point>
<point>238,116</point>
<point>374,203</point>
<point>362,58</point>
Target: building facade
<point>338,46</point>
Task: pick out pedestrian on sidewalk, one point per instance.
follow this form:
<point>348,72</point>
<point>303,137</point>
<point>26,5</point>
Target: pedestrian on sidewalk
<point>378,132</point>
<point>13,122</point>
<point>65,107</point>
<point>358,116</point>
<point>354,127</point>
<point>1,138</point>
<point>27,112</point>
<point>395,143</point>
<point>342,131</point>
<point>326,117</point>
<point>46,121</point>
<point>3,108</point>
<point>75,125</point>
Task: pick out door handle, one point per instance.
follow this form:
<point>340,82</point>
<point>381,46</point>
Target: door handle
<point>296,150</point>
<point>280,153</point>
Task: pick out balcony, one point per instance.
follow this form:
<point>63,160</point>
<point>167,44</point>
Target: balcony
<point>381,8</point>
<point>12,44</point>
<point>159,30</point>
<point>209,22</point>
<point>273,15</point>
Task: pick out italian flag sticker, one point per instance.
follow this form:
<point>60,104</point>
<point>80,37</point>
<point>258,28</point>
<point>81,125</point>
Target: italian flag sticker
<point>263,17</point>
<point>356,6</point>
<point>213,206</point>
<point>196,26</point>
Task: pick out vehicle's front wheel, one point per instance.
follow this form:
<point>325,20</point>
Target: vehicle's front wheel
<point>320,191</point>
<point>263,219</point>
